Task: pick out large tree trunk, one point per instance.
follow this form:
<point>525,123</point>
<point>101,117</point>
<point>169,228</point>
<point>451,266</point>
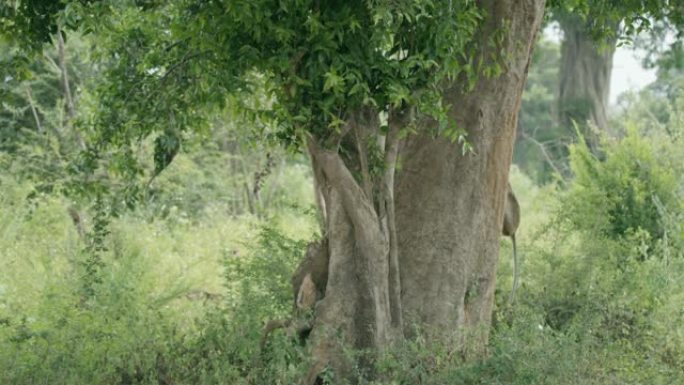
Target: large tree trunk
<point>450,205</point>
<point>435,264</point>
<point>585,71</point>
<point>355,310</point>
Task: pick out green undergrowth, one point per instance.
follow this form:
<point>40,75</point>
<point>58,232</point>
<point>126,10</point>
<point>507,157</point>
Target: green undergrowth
<point>168,301</point>
<point>181,298</point>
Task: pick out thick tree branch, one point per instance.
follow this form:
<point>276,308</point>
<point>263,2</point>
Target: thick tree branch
<point>321,194</point>
<point>357,205</point>
<point>396,120</point>
<point>336,137</point>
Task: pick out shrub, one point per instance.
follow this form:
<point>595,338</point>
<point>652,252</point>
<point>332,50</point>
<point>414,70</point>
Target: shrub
<point>619,195</point>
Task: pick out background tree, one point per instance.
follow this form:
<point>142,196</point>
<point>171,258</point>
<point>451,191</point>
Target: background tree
<point>41,102</point>
<point>540,146</point>
<point>585,71</point>
<point>591,31</point>
<point>569,84</point>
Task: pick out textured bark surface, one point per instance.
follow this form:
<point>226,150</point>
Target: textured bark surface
<point>355,311</point>
<point>449,205</point>
<point>584,80</point>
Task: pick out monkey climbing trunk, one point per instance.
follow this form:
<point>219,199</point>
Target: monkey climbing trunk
<point>585,71</point>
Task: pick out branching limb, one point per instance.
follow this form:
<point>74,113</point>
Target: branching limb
<point>396,121</point>
<point>356,203</point>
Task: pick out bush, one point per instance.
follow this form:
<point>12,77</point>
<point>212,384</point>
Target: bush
<point>639,181</point>
<point>602,273</point>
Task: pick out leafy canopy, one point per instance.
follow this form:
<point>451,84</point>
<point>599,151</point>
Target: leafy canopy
<point>291,66</point>
<point>295,66</point>
<point>602,17</point>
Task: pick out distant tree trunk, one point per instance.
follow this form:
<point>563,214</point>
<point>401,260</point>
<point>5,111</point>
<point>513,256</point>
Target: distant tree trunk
<point>435,263</point>
<point>585,72</point>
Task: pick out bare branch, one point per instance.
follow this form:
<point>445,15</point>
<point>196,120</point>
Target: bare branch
<point>52,62</point>
<point>183,61</point>
<point>396,120</point>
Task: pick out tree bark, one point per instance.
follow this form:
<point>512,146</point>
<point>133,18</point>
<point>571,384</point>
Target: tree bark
<point>450,205</point>
<point>584,88</point>
<point>419,244</point>
<point>355,311</point>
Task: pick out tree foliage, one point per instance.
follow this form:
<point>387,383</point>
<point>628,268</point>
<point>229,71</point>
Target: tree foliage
<point>636,16</point>
<point>634,187</point>
<point>308,64</point>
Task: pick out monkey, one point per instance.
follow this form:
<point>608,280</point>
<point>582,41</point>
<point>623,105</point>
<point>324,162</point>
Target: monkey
<point>76,220</point>
<point>511,221</point>
<point>308,286</point>
<point>311,277</point>
<point>306,297</point>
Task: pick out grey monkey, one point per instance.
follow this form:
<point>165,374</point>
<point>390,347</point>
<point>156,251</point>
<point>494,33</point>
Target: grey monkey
<point>511,222</point>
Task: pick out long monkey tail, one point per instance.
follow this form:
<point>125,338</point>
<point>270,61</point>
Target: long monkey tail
<point>516,272</point>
